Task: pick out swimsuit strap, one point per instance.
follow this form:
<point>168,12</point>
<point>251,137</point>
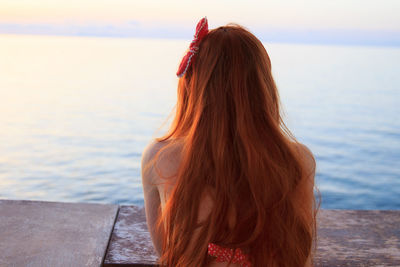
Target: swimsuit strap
<point>228,254</point>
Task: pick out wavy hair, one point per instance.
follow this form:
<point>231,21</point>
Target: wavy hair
<point>235,142</point>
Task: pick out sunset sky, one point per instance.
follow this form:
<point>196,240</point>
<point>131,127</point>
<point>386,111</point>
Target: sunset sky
<point>332,21</point>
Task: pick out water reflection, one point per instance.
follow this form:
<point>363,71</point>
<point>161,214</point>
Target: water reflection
<point>76,113</point>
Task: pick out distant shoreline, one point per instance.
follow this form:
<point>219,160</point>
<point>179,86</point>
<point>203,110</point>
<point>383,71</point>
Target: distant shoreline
<point>289,36</point>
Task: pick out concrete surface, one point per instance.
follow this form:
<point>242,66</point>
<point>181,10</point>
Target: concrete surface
<point>345,238</point>
<point>35,233</point>
<point>358,238</point>
<point>130,242</point>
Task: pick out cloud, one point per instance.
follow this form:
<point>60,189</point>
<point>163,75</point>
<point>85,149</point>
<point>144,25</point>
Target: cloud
<point>137,29</point>
<point>331,36</point>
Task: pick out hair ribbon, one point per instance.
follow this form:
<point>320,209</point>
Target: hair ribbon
<point>201,32</point>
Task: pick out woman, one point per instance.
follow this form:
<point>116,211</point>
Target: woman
<point>229,184</point>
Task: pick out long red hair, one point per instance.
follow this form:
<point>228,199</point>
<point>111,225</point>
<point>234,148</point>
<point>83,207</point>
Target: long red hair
<point>235,142</point>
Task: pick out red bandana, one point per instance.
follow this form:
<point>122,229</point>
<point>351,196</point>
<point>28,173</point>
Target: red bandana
<point>201,31</point>
<point>228,255</point>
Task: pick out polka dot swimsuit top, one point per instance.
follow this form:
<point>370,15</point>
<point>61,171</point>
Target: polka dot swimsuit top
<point>226,254</point>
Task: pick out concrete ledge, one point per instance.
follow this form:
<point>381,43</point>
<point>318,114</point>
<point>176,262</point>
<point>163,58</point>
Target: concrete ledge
<point>358,238</point>
<point>346,238</point>
<point>36,233</point>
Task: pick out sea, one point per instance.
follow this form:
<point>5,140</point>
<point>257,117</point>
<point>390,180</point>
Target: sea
<point>77,112</point>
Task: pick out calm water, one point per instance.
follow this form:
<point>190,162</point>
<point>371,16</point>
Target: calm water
<point>76,113</point>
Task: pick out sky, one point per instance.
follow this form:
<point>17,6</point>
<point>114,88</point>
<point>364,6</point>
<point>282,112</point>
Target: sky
<point>368,22</point>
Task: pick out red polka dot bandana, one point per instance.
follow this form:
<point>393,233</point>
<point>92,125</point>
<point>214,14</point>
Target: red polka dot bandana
<point>201,31</point>
<point>228,254</point>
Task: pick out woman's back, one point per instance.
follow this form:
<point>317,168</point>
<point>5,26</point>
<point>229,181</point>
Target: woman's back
<point>164,176</point>
<point>228,174</point>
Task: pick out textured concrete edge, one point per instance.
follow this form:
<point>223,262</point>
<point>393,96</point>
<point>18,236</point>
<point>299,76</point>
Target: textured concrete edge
<point>110,235</point>
<point>56,202</point>
<point>131,216</point>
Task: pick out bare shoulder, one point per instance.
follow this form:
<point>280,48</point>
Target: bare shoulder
<point>163,156</point>
<point>151,151</point>
<point>309,163</point>
<point>305,192</point>
<point>306,155</point>
<point>148,156</point>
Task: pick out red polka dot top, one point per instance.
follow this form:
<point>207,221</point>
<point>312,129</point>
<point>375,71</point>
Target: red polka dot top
<point>226,254</point>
